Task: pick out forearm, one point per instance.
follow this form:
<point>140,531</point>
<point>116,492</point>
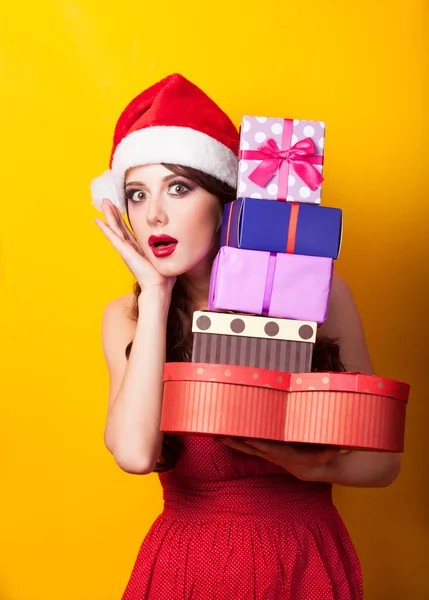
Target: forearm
<point>132,430</point>
<point>362,469</point>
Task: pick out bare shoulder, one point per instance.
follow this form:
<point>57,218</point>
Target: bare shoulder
<point>118,329</point>
<point>117,316</point>
<point>119,307</point>
<point>344,325</point>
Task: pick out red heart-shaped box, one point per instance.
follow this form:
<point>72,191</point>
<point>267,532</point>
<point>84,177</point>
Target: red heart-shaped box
<point>351,410</point>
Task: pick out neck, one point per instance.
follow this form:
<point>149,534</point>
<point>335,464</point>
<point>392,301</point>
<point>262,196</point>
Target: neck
<point>196,288</point>
<point>196,283</point>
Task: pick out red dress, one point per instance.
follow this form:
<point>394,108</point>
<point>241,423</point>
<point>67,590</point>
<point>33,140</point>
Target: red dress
<point>237,527</point>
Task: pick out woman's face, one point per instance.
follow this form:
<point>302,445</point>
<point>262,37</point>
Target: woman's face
<point>174,220</point>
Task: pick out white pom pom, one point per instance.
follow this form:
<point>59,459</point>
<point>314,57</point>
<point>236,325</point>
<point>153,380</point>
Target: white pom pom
<point>104,187</point>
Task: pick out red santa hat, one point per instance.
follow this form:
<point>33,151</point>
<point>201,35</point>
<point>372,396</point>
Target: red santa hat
<point>172,122</point>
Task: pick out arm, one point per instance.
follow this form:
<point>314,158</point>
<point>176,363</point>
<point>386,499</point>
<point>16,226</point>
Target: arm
<point>132,428</point>
<point>355,468</point>
<point>344,325</point>
<point>362,469</point>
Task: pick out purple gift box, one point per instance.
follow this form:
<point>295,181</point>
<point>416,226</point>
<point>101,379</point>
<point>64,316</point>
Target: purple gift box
<point>281,159</point>
<point>290,286</point>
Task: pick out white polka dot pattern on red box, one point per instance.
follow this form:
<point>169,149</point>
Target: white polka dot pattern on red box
<point>254,131</point>
<point>288,382</point>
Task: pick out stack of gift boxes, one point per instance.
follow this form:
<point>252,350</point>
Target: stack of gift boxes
<point>269,291</point>
<point>271,279</point>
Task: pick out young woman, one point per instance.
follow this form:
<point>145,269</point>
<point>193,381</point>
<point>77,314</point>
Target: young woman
<point>243,519</point>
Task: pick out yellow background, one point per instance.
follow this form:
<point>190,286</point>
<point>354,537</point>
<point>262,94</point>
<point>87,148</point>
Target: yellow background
<point>71,521</point>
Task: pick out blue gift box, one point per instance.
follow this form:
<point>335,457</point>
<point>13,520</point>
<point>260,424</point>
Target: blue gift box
<point>288,227</point>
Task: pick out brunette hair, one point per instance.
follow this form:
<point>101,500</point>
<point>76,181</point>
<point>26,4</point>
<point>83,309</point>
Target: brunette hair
<point>179,331</point>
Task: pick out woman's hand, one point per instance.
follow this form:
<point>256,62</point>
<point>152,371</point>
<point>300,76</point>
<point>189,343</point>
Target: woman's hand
<point>307,462</point>
<point>121,238</point>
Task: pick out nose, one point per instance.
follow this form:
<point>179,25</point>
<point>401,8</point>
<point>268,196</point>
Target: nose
<point>155,214</point>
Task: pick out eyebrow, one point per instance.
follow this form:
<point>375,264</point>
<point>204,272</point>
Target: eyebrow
<point>166,178</point>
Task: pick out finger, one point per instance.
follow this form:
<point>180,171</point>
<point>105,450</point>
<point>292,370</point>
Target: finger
<point>305,447</point>
<point>127,233</point>
<point>134,260</point>
<point>318,452</point>
<point>111,235</point>
<point>122,223</point>
<point>238,444</point>
<point>317,447</point>
<point>269,446</point>
<point>326,456</point>
<point>116,239</point>
<point>309,449</point>
<point>111,219</point>
<point>286,453</point>
<point>278,452</point>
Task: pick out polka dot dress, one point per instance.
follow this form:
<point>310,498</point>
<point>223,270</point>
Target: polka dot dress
<point>237,527</point>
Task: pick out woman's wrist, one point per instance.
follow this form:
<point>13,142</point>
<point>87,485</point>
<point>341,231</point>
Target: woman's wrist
<point>362,469</point>
<point>154,297</point>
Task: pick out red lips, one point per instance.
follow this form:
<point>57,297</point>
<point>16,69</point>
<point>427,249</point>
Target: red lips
<point>162,245</point>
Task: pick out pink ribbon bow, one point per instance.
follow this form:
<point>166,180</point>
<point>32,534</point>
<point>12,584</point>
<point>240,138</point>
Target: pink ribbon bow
<point>301,157</point>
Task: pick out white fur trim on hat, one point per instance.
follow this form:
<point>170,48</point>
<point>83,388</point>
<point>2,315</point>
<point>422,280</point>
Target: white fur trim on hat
<point>161,144</point>
<point>103,187</point>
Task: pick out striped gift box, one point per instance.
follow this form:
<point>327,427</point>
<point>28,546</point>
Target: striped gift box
<point>253,341</point>
<point>350,410</point>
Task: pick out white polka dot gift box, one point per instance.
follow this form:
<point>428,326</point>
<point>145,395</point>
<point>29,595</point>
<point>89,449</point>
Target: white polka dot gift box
<point>253,341</point>
<point>281,159</point>
<point>351,410</point>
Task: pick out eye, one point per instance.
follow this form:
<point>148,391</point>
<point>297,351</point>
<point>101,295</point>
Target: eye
<point>136,195</point>
<point>178,188</point>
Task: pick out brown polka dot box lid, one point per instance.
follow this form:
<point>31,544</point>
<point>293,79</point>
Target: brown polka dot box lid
<point>352,410</point>
<point>253,326</point>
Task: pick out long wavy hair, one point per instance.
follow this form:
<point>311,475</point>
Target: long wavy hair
<point>179,322</point>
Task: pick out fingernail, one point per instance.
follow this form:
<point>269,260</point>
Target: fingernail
<point>250,442</point>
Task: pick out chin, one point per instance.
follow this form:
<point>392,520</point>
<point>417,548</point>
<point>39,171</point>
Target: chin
<point>169,268</point>
<point>175,266</point>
